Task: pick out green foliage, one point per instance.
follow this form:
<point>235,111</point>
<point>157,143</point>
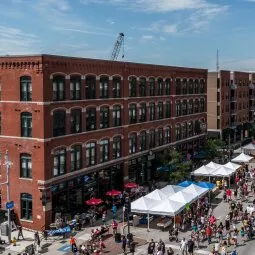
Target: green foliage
<point>212,148</point>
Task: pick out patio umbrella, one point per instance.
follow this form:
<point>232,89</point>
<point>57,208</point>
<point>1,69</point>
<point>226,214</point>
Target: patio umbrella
<point>113,193</point>
<point>94,201</point>
<point>130,185</point>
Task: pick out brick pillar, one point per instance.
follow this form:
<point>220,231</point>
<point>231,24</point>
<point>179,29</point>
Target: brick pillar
<point>83,119</point>
<point>156,111</point>
<point>83,87</point>
<point>156,86</point>
<point>110,87</point>
<point>67,87</point>
<point>147,87</point>
<point>164,86</point>
<point>97,87</point>
<point>110,116</point>
<point>173,91</point>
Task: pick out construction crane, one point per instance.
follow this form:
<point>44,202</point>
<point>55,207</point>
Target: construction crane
<point>117,46</point>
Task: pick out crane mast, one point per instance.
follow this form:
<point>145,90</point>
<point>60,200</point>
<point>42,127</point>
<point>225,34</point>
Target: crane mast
<point>117,46</point>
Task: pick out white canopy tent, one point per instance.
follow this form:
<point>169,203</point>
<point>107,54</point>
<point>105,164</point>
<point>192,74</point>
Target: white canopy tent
<point>183,197</point>
<point>249,148</point>
<point>242,158</point>
<point>143,205</point>
<point>157,195</point>
<point>232,165</point>
<point>203,171</point>
<point>171,189</point>
<point>213,165</point>
<point>196,190</point>
<point>167,207</point>
<point>224,171</point>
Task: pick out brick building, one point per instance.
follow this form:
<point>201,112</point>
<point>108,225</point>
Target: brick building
<point>230,105</point>
<point>76,127</point>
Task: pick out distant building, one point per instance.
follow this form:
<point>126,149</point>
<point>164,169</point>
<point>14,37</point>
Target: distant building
<point>76,128</point>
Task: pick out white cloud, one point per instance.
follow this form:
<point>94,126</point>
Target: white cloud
<point>59,5</point>
<point>110,21</point>
<point>162,38</point>
<point>146,38</point>
<point>82,31</point>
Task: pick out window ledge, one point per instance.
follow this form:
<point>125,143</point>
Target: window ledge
<point>28,221</point>
<point>25,179</point>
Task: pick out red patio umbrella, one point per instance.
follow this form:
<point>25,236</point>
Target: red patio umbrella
<point>94,201</point>
<point>130,185</point>
<point>113,193</point>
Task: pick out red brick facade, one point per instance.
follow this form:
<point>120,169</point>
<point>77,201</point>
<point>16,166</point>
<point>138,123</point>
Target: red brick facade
<point>42,145</point>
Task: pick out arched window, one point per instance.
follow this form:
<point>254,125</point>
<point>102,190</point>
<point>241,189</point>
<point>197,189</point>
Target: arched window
<point>132,143</point>
<point>160,110</point>
<point>116,87</point>
<point>58,88</point>
<point>26,206</point>
<point>116,116</point>
<point>178,108</point>
<point>197,128</point>
<point>142,87</point>
<point>177,86</point>
<point>168,86</point>
<point>104,117</point>
<point>202,105</point>
<point>202,86</point>
<point>152,111</point>
<point>184,86</point>
<point>184,107</point>
<point>152,139</point>
<point>104,87</point>
<point>168,135</point>
<point>196,86</point>
<point>116,145</point>
<point>25,166</point>
<point>75,87</point>
<point>59,123</point>
<point>160,137</point>
<point>26,124</point>
<point>184,130</point>
<point>90,87</point>
<point>90,154</point>
<point>104,150</point>
<point>177,132</point>
<point>59,162</point>
<point>132,86</point>
<point>160,87</point>
<point>168,110</point>
<point>76,121</point>
<point>196,108</point>
<point>76,157</point>
<point>190,107</point>
<point>152,86</point>
<point>190,128</point>
<point>143,140</point>
<point>142,112</point>
<point>191,86</point>
<point>25,88</point>
<point>132,114</point>
<point>91,120</point>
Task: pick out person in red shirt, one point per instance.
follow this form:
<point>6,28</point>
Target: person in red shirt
<point>114,227</point>
<point>209,234</point>
<point>228,193</point>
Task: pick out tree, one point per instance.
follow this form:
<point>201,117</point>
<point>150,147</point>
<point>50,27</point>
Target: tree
<point>212,148</point>
<point>179,167</point>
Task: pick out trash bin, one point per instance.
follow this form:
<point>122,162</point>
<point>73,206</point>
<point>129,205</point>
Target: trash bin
<point>117,238</point>
<point>4,229</point>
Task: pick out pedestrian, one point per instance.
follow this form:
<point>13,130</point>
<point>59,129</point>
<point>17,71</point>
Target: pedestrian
<point>114,227</point>
<point>183,246</point>
<point>151,247</point>
<point>190,246</point>
<point>103,217</point>
<point>124,244</point>
<point>20,233</point>
<point>101,245</point>
<point>73,244</point>
<point>132,247</point>
<point>37,241</point>
<point>114,211</point>
<point>170,251</point>
<point>208,234</point>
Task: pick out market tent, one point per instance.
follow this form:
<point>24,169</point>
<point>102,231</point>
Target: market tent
<point>223,171</point>
<point>143,205</point>
<point>185,183</point>
<point>213,165</point>
<point>171,189</point>
<point>242,158</point>
<point>249,147</point>
<point>203,171</point>
<point>183,197</point>
<point>207,185</point>
<point>196,191</point>
<point>156,195</point>
<point>232,165</point>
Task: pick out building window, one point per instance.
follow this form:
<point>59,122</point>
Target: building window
<point>196,108</point>
<point>191,86</point>
<point>160,110</point>
<point>25,166</point>
<point>132,144</point>
<point>104,87</point>
<point>76,126</point>
<point>142,112</point>
<point>90,154</point>
<point>168,110</point>
<point>168,86</point>
<point>184,87</point>
<point>104,150</point>
<point>142,87</point>
<point>190,129</point>
<point>132,87</point>
<point>184,130</point>
<point>197,127</point>
<point>152,111</point>
<point>116,145</point>
<point>202,86</point>
<point>58,88</point>
<point>91,121</point>
<point>178,132</point>
<point>26,206</point>
<point>26,124</point>
<point>178,108</point>
<point>76,157</point>
<point>152,139</point>
<point>202,105</point>
<point>184,107</point>
<point>90,87</point>
<point>168,135</point>
<point>177,86</point>
<point>196,86</point>
<point>59,123</point>
<point>190,107</point>
<point>25,88</point>
<point>132,114</point>
<point>104,117</point>
<point>75,88</point>
<point>116,90</point>
<point>160,137</point>
<point>152,86</point>
<point>143,140</point>
<point>116,116</point>
<point>160,87</point>
<point>59,162</point>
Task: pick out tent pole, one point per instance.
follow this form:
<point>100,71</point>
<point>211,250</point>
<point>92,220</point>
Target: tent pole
<point>174,221</point>
<point>229,180</point>
<point>148,222</point>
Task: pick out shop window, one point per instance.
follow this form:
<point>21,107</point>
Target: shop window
<point>26,206</point>
<point>75,88</point>
<point>90,87</point>
<point>152,139</point>
<point>132,144</point>
<point>116,87</point>
<point>132,114</point>
<point>116,147</point>
<point>58,88</point>
<point>90,154</point>
<point>116,116</point>
<point>76,121</point>
<point>91,121</point>
<point>168,135</point>
<point>104,117</point>
<point>142,87</point>
<point>132,87</point>
<point>59,162</point>
<point>178,108</point>
<point>104,87</point>
<point>26,124</point>
<point>25,88</point>
<point>143,140</point>
<point>152,86</point>
<point>160,110</point>
<point>142,112</point>
<point>25,166</point>
<point>104,150</point>
<point>160,87</point>
<point>59,123</point>
<point>168,87</point>
<point>160,137</point>
<point>76,157</point>
<point>168,110</point>
<point>152,111</point>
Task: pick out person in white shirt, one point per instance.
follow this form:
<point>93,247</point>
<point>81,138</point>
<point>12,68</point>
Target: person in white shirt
<point>183,246</point>
<point>159,252</point>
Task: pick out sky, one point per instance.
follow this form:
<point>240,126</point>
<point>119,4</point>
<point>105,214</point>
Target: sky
<point>168,32</point>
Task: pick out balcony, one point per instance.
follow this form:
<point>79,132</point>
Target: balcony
<point>233,86</point>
